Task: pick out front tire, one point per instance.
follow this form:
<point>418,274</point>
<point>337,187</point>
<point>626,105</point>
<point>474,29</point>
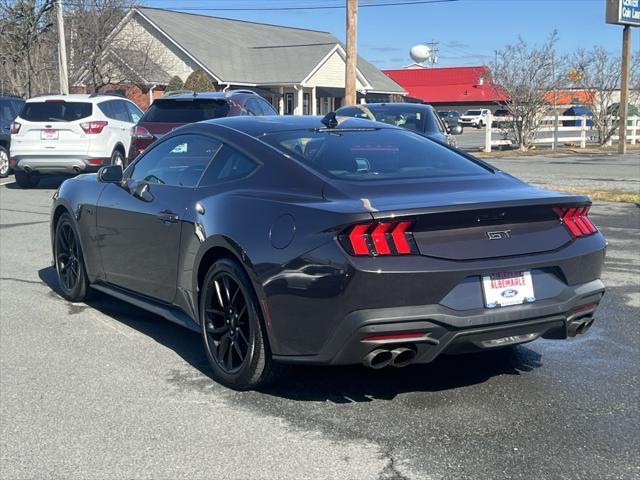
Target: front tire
<point>26,180</point>
<point>231,326</point>
<point>69,262</point>
<point>4,162</point>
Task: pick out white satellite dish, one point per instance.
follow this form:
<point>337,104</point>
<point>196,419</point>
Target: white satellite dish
<point>420,53</point>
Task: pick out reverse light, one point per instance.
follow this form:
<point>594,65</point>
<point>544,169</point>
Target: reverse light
<point>576,221</point>
<point>140,132</point>
<point>15,128</point>
<point>93,128</point>
<point>379,238</point>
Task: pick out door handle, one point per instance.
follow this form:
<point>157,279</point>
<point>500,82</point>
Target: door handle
<point>167,216</point>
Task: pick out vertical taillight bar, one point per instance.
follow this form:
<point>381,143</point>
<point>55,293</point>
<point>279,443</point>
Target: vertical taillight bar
<point>379,239</point>
<point>575,220</point>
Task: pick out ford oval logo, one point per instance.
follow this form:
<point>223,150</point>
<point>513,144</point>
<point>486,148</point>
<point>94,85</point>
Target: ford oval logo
<point>509,293</point>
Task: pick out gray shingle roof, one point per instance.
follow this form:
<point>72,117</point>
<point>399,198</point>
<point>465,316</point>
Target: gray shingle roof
<point>255,53</point>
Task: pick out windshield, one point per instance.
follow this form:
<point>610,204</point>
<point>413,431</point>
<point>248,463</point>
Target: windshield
<point>185,110</point>
<point>473,112</point>
<point>56,111</point>
<point>373,154</point>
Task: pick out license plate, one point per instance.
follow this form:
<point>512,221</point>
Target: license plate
<point>49,134</point>
<point>507,288</point>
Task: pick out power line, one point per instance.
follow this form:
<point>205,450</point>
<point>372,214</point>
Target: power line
<point>386,3</point>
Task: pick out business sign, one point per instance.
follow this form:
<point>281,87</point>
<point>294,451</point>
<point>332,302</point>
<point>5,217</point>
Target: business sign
<point>623,12</point>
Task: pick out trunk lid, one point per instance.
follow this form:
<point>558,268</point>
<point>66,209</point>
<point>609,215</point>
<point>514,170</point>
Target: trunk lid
<point>474,218</point>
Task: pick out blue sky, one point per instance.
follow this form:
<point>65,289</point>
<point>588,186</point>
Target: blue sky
<point>468,30</point>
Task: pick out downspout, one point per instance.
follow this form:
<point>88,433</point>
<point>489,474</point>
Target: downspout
<point>151,93</point>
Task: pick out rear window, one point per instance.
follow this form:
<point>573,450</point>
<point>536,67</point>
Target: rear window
<point>186,111</point>
<point>473,112</point>
<point>375,154</point>
<point>58,111</point>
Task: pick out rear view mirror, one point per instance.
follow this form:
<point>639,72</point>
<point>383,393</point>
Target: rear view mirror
<point>110,174</point>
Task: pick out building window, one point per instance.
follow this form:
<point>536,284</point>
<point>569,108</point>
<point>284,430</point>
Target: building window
<point>325,104</point>
<point>288,104</point>
<point>305,104</point>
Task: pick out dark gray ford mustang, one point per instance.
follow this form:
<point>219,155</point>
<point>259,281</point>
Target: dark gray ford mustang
<point>309,240</point>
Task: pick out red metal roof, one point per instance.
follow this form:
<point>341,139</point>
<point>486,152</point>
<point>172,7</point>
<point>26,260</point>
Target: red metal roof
<point>448,85</point>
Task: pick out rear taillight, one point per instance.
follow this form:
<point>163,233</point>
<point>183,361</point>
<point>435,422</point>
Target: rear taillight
<point>575,220</point>
<point>379,238</point>
<point>93,128</point>
<point>15,128</point>
<point>141,132</point>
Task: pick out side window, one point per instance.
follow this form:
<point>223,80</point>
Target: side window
<point>134,112</point>
<point>267,109</point>
<point>252,106</point>
<point>229,164</point>
<point>120,111</point>
<point>178,161</point>
<point>107,109</point>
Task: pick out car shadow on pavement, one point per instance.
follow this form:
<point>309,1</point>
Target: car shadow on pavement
<point>47,182</point>
<point>344,384</point>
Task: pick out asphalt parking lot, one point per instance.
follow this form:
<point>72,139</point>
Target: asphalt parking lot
<point>104,390</point>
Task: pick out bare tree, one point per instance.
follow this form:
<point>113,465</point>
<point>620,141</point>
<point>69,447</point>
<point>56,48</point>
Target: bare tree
<point>28,51</point>
<point>599,75</point>
<point>90,25</point>
<point>526,74</point>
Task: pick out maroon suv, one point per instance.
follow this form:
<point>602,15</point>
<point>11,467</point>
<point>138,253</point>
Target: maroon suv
<point>179,108</point>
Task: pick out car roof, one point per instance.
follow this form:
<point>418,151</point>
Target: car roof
<point>77,97</point>
<point>415,106</point>
<point>182,94</point>
<point>261,125</point>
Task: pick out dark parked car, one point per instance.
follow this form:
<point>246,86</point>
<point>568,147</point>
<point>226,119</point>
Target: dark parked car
<point>451,119</point>
<point>502,118</point>
<point>417,117</point>
<point>288,240</point>
<point>179,108</point>
<point>10,107</point>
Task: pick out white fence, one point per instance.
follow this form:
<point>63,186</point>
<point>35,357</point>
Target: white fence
<point>559,134</point>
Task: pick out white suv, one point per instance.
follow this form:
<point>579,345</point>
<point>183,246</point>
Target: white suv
<point>70,134</point>
<point>476,117</point>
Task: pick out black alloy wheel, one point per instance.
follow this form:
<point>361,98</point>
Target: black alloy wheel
<point>232,329</point>
<point>69,263</point>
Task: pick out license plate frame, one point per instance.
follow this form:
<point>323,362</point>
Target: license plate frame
<point>49,134</point>
<point>506,289</point>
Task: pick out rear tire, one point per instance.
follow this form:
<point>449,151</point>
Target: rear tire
<point>4,163</point>
<point>117,158</point>
<point>232,328</point>
<point>26,180</point>
<point>69,261</point>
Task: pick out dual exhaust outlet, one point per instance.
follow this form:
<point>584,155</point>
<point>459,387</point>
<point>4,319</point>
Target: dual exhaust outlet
<point>382,357</point>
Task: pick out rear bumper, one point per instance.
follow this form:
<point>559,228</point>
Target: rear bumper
<point>55,164</point>
<point>439,330</point>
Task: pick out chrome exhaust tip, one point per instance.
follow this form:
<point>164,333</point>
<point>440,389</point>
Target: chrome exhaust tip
<point>401,357</point>
<point>378,358</point>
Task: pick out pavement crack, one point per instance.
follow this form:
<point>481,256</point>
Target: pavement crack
<point>390,471</point>
<point>24,224</point>
<point>25,211</point>
<point>22,280</point>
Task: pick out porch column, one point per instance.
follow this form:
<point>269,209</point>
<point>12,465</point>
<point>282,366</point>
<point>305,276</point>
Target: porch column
<point>299,100</point>
<point>281,101</point>
<point>313,109</point>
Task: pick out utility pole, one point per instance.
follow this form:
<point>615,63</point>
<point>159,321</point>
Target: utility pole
<point>62,52</point>
<point>350,78</point>
<point>624,89</point>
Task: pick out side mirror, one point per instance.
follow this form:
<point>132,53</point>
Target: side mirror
<point>456,130</point>
<point>110,174</point>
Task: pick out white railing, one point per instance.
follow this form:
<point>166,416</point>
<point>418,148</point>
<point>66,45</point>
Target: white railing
<point>579,134</point>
